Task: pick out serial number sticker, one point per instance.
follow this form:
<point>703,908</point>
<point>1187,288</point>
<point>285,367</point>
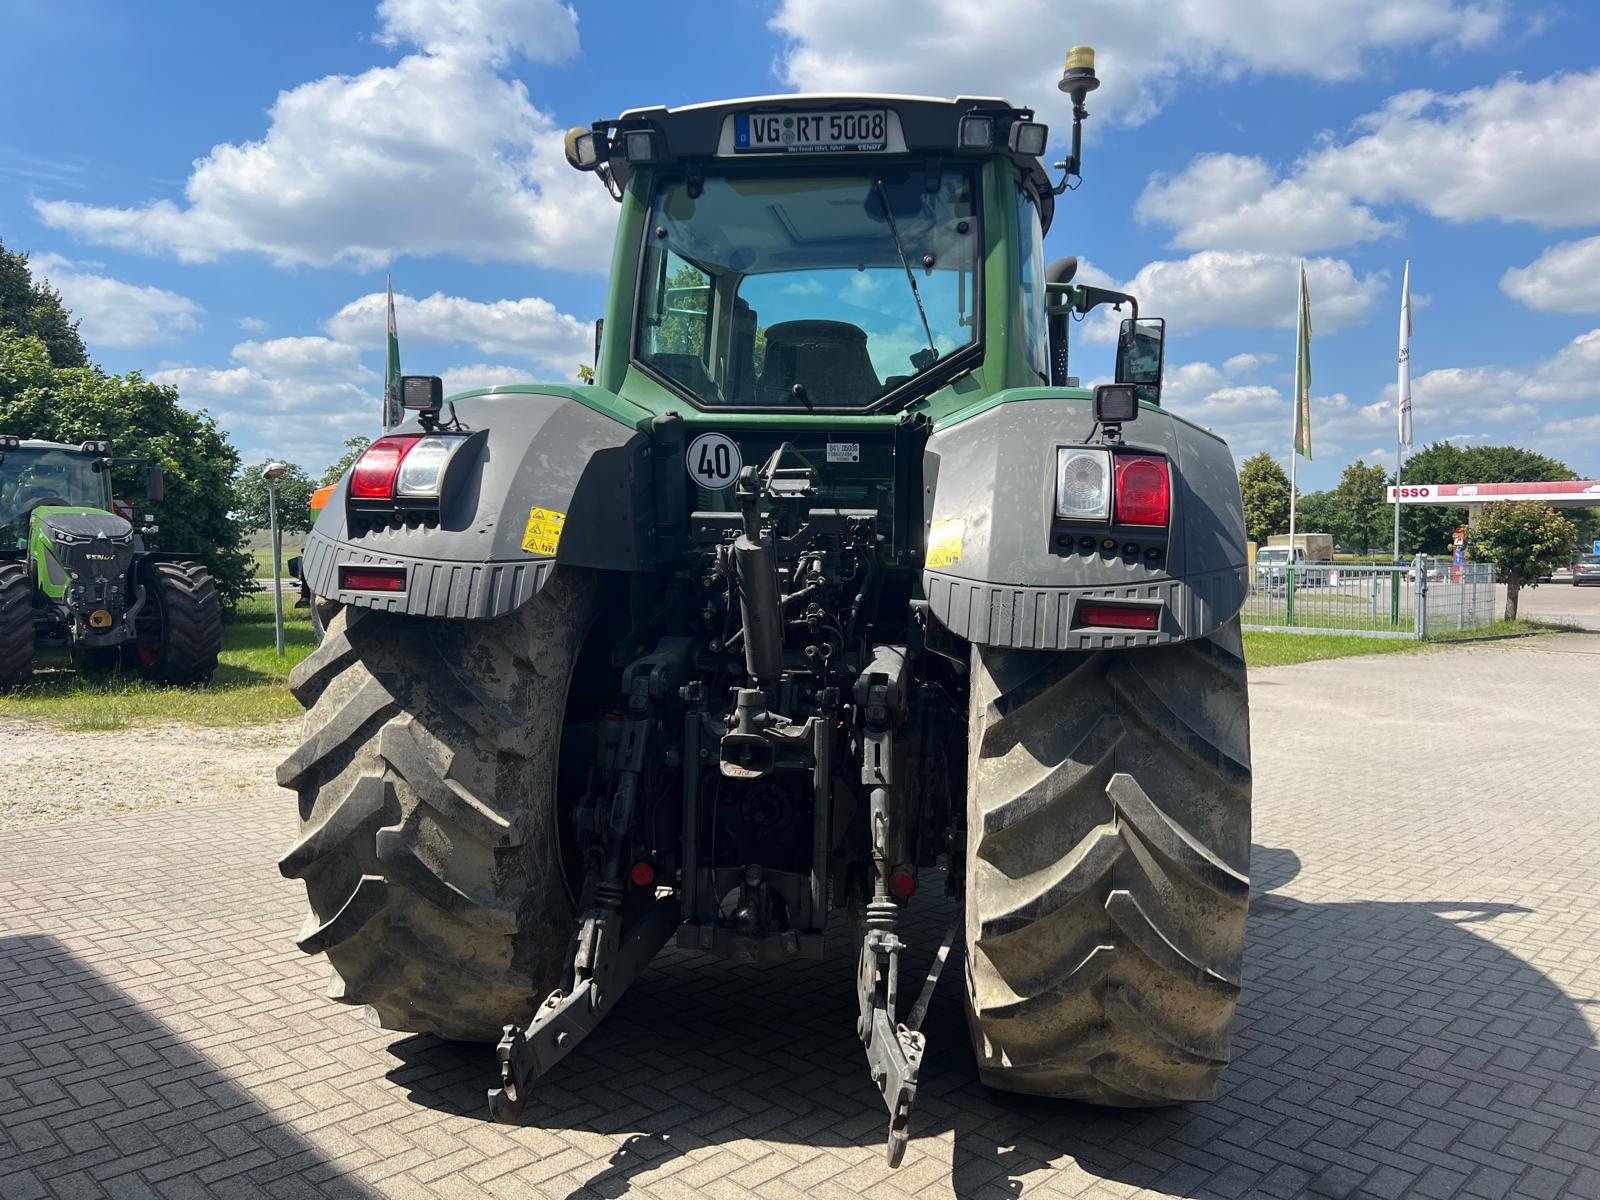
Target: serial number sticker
<point>944,542</point>
<point>844,452</point>
<point>543,534</point>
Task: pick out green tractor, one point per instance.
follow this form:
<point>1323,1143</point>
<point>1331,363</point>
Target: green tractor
<point>76,574</point>
<point>832,587</point>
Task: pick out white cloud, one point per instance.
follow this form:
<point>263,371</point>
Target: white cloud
<point>252,324</point>
<point>437,154</point>
<point>1565,278</point>
<point>1514,150</point>
<point>1234,202</point>
<point>297,398</point>
<point>492,30</point>
<point>531,328</point>
<point>1241,364</point>
<point>112,311</point>
<point>1245,290</point>
<point>483,375</point>
<point>1144,49</point>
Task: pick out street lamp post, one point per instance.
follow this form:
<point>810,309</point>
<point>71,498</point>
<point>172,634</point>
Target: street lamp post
<point>273,472</point>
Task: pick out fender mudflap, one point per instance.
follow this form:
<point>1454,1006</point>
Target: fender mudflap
<point>550,482</point>
<point>1001,569</point>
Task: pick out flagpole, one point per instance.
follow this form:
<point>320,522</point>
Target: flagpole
<point>1294,445</point>
<point>1402,400</point>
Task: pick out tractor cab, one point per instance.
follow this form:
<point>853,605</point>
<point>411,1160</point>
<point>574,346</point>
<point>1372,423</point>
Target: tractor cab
<point>50,475</point>
<point>823,254</point>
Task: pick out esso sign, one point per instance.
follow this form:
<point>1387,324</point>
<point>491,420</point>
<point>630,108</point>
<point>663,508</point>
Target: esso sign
<point>1413,493</point>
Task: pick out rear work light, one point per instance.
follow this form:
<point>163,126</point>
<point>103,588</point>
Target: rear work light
<point>375,471</point>
<point>1116,616</point>
<point>1143,490</point>
<point>372,579</point>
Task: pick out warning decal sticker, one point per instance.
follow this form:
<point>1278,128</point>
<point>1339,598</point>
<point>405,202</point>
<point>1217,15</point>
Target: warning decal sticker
<point>543,534</point>
<point>944,542</point>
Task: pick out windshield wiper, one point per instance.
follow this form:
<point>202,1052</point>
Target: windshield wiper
<point>911,276</point>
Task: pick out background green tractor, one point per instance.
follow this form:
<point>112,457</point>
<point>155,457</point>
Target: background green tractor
<point>76,574</point>
<point>833,577</point>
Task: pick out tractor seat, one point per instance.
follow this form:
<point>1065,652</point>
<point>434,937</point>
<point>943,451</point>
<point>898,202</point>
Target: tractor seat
<point>828,358</point>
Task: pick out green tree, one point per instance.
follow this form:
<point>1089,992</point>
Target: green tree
<point>35,310</point>
<point>251,499</point>
<point>1360,508</point>
<point>1265,489</point>
<point>354,448</point>
<point>1427,529</point>
<point>1315,512</point>
<point>1524,541</point>
<point>683,322</point>
<point>72,404</point>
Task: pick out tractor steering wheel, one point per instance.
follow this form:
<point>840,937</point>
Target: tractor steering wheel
<point>30,498</point>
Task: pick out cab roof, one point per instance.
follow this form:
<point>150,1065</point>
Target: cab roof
<point>922,126</point>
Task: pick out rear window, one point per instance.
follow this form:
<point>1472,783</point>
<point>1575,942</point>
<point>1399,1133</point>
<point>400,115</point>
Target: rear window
<point>1592,559</point>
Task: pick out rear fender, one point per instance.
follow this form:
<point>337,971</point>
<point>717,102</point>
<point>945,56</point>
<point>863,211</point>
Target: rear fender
<point>549,472</point>
<point>995,573</point>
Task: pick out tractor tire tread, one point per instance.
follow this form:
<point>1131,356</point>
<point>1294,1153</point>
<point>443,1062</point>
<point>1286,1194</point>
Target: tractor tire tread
<point>16,624</point>
<point>1108,844</point>
<point>427,838</point>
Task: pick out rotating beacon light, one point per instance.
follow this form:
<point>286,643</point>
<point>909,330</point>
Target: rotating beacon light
<point>1077,80</point>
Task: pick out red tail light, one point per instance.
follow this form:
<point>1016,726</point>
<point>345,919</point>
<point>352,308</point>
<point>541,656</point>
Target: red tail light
<point>1143,490</point>
<point>372,579</point>
<point>373,477</point>
<point>1116,616</point>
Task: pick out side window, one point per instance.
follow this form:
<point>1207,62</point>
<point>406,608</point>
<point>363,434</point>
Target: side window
<point>683,310</point>
<point>1033,327</point>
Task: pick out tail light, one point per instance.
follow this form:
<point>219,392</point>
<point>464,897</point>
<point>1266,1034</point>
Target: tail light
<point>372,579</point>
<point>375,471</point>
<point>1143,490</point>
<point>1117,616</point>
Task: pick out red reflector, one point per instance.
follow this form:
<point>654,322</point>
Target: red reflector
<point>642,874</point>
<point>372,579</point>
<point>1142,489</point>
<point>902,883</point>
<point>1116,616</point>
<point>373,477</point>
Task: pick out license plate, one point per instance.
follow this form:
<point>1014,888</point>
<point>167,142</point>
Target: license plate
<point>810,132</point>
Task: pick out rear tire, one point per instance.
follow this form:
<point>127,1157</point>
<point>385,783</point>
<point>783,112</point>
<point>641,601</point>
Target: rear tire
<point>16,624</point>
<point>1108,835</point>
<point>429,843</point>
<point>179,633</point>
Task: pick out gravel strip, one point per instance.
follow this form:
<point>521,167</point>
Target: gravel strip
<point>53,776</point>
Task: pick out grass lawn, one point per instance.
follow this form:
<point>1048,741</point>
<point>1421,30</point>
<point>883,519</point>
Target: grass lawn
<point>1282,649</point>
<point>249,686</point>
<point>248,689</point>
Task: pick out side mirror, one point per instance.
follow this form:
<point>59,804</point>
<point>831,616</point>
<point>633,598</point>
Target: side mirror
<point>155,487</point>
<point>1141,351</point>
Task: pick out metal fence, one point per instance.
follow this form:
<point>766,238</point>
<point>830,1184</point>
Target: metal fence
<point>1405,601</point>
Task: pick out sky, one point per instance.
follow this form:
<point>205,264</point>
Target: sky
<point>218,191</point>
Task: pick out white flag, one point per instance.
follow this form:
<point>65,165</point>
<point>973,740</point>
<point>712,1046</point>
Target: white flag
<point>1404,393</point>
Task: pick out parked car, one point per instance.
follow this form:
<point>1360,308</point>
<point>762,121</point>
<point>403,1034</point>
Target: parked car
<point>1586,570</point>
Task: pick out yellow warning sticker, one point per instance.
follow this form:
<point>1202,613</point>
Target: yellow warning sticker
<point>543,534</point>
<point>944,542</point>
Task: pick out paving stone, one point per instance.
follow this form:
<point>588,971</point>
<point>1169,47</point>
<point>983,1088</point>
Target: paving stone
<point>1424,940</point>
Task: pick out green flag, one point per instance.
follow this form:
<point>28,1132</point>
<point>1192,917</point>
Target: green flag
<point>1302,372</point>
<point>393,412</point>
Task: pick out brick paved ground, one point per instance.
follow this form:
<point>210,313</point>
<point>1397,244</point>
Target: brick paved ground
<point>1422,981</point>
